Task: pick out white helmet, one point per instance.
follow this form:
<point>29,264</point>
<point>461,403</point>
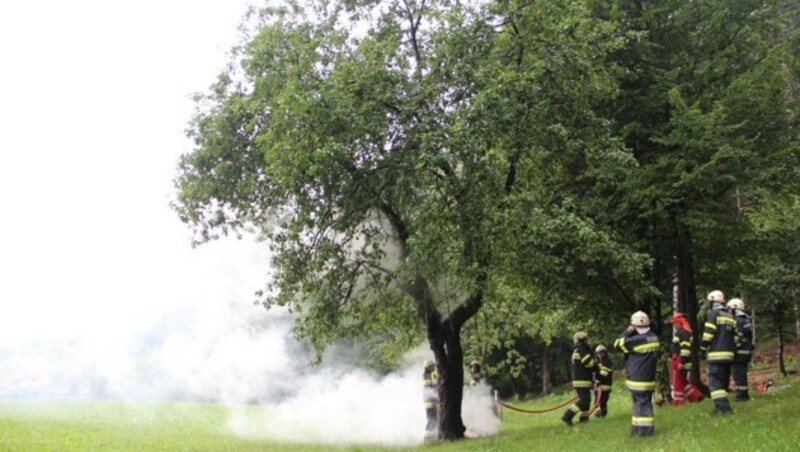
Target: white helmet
<point>716,297</point>
<point>601,348</point>
<point>639,318</point>
<point>736,303</point>
<point>428,364</point>
<point>580,336</point>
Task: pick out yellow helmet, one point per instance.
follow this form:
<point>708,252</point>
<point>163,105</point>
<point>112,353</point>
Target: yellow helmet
<point>428,364</point>
<point>716,296</point>
<point>639,318</point>
<point>600,348</point>
<point>474,363</point>
<point>736,303</point>
<point>580,336</point>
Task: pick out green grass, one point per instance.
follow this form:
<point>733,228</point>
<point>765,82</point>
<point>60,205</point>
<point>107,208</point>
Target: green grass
<point>770,422</point>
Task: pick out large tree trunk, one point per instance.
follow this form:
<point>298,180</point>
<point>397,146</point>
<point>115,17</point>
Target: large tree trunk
<point>445,341</point>
<point>687,293</point>
<point>444,337</point>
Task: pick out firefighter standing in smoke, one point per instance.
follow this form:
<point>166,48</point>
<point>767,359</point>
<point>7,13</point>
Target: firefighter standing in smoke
<point>640,346</point>
<point>430,379</point>
<point>583,366</point>
<point>744,351</point>
<point>681,364</point>
<point>475,375</point>
<point>602,379</point>
<point>718,346</point>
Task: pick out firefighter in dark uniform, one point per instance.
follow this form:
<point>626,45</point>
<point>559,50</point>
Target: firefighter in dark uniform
<point>475,375</point>
<point>744,351</point>
<point>640,346</point>
<point>718,346</point>
<point>583,366</point>
<point>602,380</point>
<point>430,379</point>
<point>683,389</point>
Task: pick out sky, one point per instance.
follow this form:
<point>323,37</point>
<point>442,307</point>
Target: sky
<point>94,99</point>
<point>101,293</point>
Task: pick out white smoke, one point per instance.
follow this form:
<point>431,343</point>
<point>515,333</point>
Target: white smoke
<point>478,411</point>
<point>207,341</point>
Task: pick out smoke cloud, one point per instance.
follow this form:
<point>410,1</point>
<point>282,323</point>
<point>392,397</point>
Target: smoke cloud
<point>233,352</point>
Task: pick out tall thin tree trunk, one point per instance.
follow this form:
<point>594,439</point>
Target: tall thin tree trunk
<point>779,325</point>
<point>545,369</point>
<point>796,321</point>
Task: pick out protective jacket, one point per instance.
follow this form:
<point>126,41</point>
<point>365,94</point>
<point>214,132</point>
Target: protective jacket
<point>719,335</point>
<point>682,345</point>
<point>430,395</point>
<point>744,351</point>
<point>641,351</point>
<point>605,367</point>
<point>583,366</point>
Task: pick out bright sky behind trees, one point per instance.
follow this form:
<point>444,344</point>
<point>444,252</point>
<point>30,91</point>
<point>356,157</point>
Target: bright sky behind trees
<point>94,100</point>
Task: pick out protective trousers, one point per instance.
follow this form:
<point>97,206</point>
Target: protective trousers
<point>682,388</point>
<point>739,371</point>
<point>642,422</point>
<point>433,419</point>
<point>601,399</point>
<point>580,407</point>
<point>719,374</point>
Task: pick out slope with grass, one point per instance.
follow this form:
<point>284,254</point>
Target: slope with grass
<point>769,422</point>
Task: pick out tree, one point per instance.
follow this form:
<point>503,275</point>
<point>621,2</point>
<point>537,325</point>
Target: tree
<point>399,157</point>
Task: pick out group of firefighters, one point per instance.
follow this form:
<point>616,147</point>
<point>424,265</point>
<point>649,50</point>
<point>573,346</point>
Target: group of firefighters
<point>726,343</point>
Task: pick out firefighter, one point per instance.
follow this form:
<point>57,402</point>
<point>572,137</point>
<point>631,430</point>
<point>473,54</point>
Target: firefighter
<point>718,346</point>
<point>475,375</point>
<point>640,346</point>
<point>430,378</point>
<point>602,380</point>
<point>583,366</point>
<point>744,350</point>
<point>681,364</point>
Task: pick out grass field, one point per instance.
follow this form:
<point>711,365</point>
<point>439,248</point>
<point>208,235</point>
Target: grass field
<point>770,422</point>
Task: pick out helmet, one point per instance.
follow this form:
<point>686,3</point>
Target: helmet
<point>474,363</point>
<point>716,297</point>
<point>680,320</point>
<point>580,336</point>
<point>428,364</point>
<point>736,303</point>
<point>639,318</point>
<point>601,348</point>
